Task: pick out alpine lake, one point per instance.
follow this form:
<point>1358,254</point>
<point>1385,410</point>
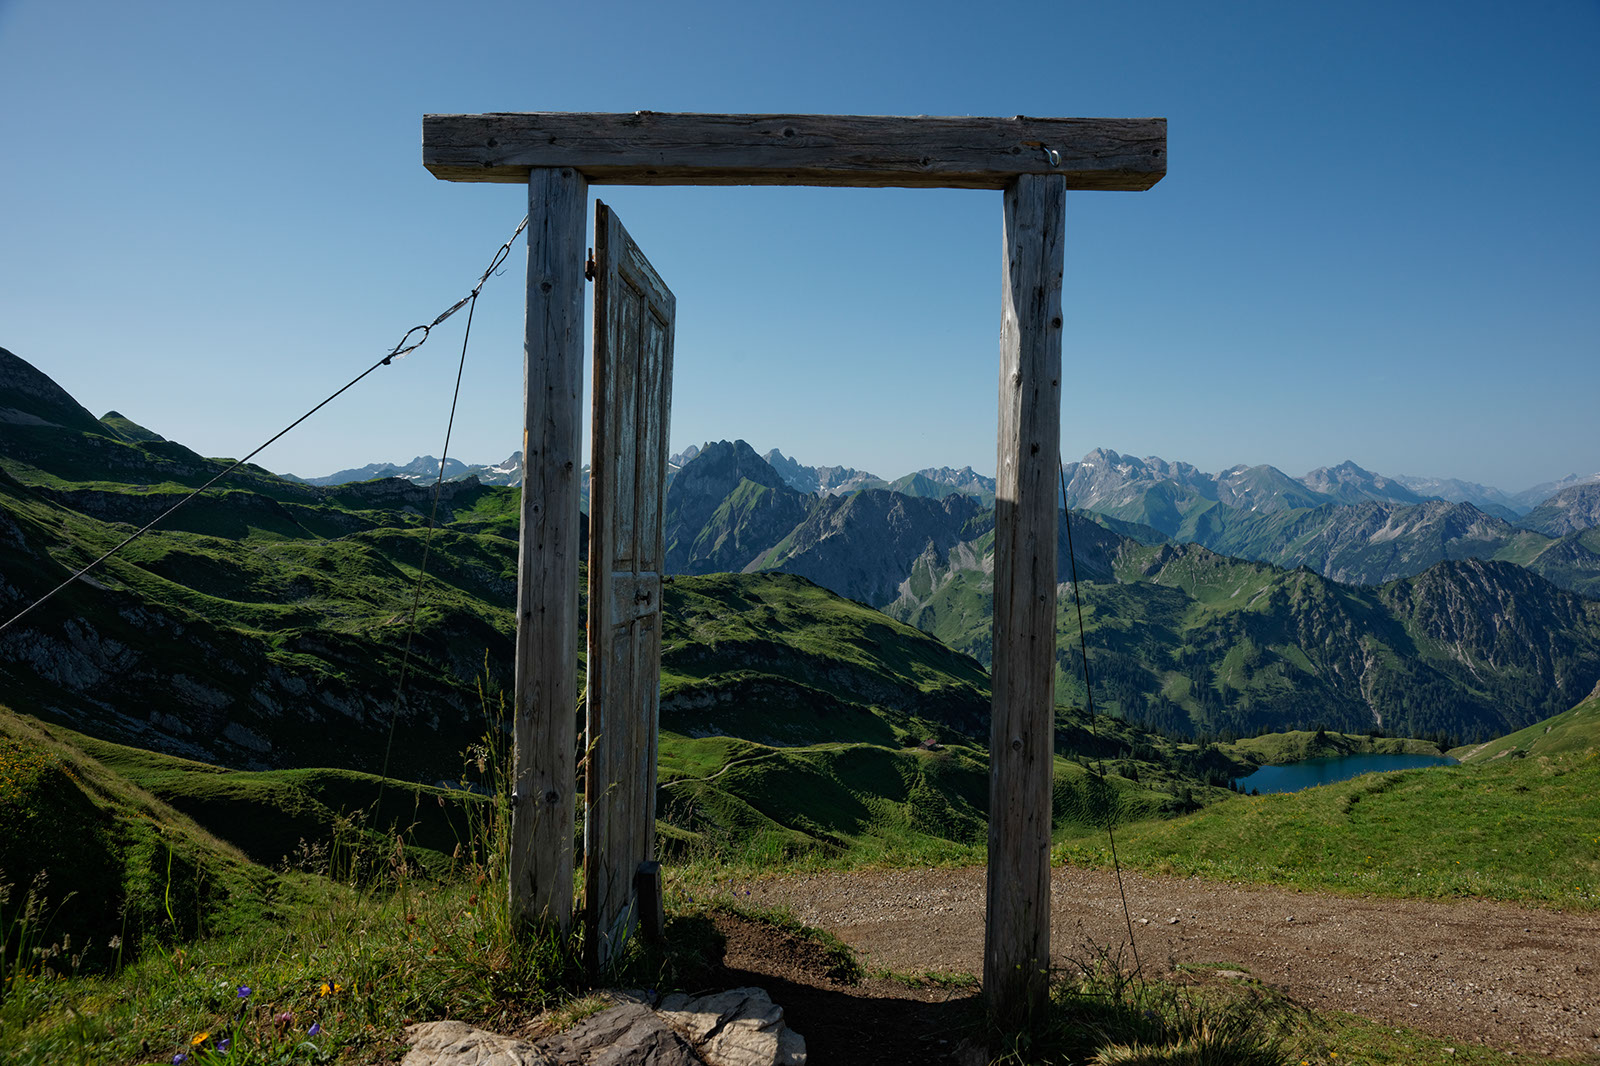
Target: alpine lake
<point>1292,777</point>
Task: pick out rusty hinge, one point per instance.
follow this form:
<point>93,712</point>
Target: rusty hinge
<point>588,266</point>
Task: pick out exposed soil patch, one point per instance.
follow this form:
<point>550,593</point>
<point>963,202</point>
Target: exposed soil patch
<point>1471,971</point>
<point>874,1023</point>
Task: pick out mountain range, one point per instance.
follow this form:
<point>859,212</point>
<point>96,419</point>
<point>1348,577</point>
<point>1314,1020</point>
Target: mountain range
<point>1343,521</point>
<point>267,620</point>
<point>1102,480</point>
<point>1335,630</point>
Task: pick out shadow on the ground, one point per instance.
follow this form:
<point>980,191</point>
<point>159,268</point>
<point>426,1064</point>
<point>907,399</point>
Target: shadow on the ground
<point>876,1021</point>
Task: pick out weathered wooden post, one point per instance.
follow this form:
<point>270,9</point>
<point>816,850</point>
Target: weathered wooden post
<point>547,558</point>
<point>1021,731</point>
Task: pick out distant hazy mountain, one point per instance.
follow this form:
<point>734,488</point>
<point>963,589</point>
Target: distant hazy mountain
<point>1150,491</point>
<point>938,481</point>
<point>422,468</point>
<point>821,480</point>
<point>1533,497</point>
<point>1485,498</point>
<point>1369,543</point>
<point>1348,483</point>
<point>1342,521</point>
<point>1171,497</point>
<point>1571,510</point>
<point>508,472</point>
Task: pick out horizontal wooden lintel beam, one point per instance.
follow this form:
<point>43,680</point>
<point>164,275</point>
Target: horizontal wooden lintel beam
<point>869,151</point>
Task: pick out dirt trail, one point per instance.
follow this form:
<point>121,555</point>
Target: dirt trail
<point>1472,971</point>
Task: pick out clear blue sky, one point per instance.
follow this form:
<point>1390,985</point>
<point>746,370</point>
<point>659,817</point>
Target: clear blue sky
<point>1377,239</point>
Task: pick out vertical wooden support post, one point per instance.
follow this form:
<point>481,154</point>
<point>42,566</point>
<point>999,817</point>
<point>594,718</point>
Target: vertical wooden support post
<point>547,559</point>
<point>1021,738</point>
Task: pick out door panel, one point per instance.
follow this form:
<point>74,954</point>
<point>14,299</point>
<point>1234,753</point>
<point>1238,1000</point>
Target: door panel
<point>634,312</point>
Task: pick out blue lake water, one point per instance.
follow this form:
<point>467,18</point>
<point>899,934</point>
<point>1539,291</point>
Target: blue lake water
<point>1292,777</point>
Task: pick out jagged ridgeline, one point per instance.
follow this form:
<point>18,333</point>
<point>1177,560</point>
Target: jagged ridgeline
<point>1439,630</point>
<point>1347,523</point>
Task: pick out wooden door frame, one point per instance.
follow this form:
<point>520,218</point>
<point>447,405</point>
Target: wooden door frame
<point>1034,161</point>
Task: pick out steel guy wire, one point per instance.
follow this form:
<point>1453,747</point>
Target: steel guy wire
<point>433,525</point>
<point>404,346</point>
<point>1088,689</point>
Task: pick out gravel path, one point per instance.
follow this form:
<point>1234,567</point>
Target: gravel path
<point>1511,977</point>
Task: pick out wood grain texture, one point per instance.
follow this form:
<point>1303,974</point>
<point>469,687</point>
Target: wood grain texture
<point>658,148</point>
<point>544,810</point>
<point>1017,933</point>
<point>634,315</point>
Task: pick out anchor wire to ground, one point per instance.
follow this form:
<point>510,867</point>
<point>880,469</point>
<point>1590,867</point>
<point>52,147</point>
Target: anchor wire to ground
<point>427,543</point>
<point>404,346</point>
<point>1088,688</point>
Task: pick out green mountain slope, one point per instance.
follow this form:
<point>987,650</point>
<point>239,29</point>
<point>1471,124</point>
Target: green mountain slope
<point>258,636</point>
<point>1513,828</point>
<point>265,625</point>
<point>773,657</point>
<point>105,858</point>
<point>1371,543</point>
<point>1188,640</point>
<point>863,545</point>
<point>1571,510</point>
<point>1574,732</point>
<point>725,508</point>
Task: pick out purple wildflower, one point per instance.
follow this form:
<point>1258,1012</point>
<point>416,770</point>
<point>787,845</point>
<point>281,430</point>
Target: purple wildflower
<point>314,1030</point>
<point>178,1058</point>
<point>244,991</point>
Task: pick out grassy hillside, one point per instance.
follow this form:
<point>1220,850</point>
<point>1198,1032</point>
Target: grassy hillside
<point>1276,749</point>
<point>252,632</point>
<point>104,859</point>
<point>1575,732</point>
<point>774,657</point>
<point>133,842</point>
<point>1190,641</point>
<point>1519,829</point>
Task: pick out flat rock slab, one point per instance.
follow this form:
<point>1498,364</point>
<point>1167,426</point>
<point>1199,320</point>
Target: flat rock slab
<point>740,1027</point>
<point>459,1044</point>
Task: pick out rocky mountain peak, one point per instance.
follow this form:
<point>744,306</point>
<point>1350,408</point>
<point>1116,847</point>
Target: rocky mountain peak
<point>725,507</point>
<point>1349,483</point>
<point>1569,511</point>
<point>821,480</point>
<point>725,463</point>
<point>28,397</point>
<point>965,480</point>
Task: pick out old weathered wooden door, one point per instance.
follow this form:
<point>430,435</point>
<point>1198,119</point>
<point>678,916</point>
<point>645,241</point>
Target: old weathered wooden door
<point>633,321</point>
